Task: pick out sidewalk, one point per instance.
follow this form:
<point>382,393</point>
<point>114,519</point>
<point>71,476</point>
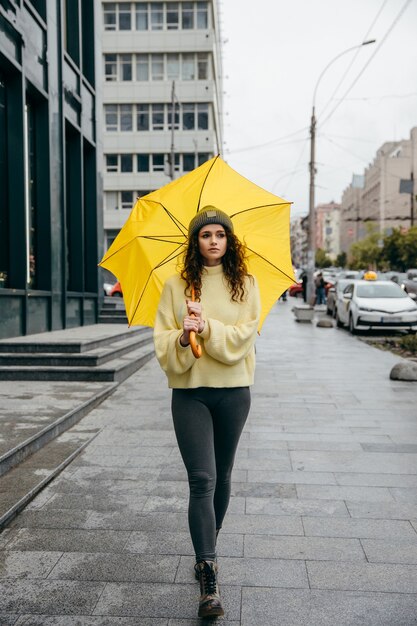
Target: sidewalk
<point>322,526</point>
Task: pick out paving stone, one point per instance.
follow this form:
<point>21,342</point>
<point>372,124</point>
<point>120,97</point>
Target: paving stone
<point>312,548</point>
<point>390,551</point>
<point>15,564</point>
<point>383,510</point>
<point>116,567</point>
<point>405,495</point>
<point>329,492</point>
<point>287,506</point>
<point>263,490</point>
<point>262,524</point>
<point>282,607</point>
<point>410,448</point>
<point>95,502</point>
<point>51,519</point>
<point>8,620</point>
<point>174,504</point>
<point>86,620</point>
<point>257,572</point>
<point>156,600</point>
<point>128,520</point>
<point>376,462</point>
<point>376,480</point>
<point>361,528</point>
<point>313,478</point>
<point>363,576</point>
<point>179,543</point>
<point>49,597</point>
<point>68,540</point>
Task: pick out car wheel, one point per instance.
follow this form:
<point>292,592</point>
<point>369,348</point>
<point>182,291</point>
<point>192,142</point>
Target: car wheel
<point>329,311</point>
<point>339,323</point>
<point>117,294</point>
<point>352,328</point>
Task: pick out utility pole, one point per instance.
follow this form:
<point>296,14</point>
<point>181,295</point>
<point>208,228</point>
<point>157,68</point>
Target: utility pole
<point>412,201</point>
<point>172,157</point>
<point>311,261</point>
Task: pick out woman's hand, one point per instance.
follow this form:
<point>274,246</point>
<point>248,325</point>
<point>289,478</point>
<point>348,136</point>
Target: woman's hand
<point>195,308</point>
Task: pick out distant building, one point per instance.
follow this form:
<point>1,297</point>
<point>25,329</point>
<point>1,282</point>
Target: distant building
<point>50,193</point>
<point>161,63</point>
<point>327,228</point>
<point>384,196</point>
<point>299,241</point>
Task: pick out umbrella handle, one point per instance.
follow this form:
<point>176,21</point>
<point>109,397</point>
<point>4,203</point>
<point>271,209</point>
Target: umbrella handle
<point>195,347</point>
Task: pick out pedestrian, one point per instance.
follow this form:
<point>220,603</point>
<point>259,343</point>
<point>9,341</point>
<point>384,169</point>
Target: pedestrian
<point>304,279</point>
<point>320,289</point>
<point>210,395</point>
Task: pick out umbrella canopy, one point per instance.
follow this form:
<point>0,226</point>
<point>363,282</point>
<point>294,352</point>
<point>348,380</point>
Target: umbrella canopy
<point>148,247</point>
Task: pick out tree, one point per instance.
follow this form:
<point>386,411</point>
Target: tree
<point>366,253</point>
<point>322,260</point>
<point>341,259</point>
<point>392,251</point>
<point>409,250</point>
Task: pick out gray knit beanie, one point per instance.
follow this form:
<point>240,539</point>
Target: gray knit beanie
<point>209,215</point>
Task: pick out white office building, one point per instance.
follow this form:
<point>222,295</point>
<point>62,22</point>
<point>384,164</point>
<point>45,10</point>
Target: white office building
<point>161,63</point>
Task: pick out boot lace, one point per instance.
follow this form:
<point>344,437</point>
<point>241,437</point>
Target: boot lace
<point>209,580</point>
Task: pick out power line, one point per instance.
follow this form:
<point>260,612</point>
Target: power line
<point>407,2</point>
<point>354,58</point>
<point>272,142</point>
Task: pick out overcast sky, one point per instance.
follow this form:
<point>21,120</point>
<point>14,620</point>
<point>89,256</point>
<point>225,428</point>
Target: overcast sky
<point>273,55</point>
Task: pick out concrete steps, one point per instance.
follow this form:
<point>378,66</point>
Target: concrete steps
<point>59,377</point>
<point>21,484</point>
<point>110,359</point>
<point>113,311</point>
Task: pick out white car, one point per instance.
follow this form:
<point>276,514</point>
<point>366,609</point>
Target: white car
<point>376,304</point>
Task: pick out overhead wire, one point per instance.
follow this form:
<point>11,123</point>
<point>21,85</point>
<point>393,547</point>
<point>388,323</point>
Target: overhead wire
<point>358,51</point>
<point>393,24</point>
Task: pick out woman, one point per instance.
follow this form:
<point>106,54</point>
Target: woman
<point>211,397</point>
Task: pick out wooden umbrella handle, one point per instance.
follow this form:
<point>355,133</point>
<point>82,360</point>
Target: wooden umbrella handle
<point>195,347</point>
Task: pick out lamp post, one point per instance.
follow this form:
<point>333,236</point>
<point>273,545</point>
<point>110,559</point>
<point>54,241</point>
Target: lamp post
<point>312,167</point>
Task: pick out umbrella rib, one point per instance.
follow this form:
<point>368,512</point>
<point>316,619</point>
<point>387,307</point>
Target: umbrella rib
<point>176,221</point>
<point>152,237</point>
<point>269,263</point>
<point>163,262</point>
<point>204,182</point>
<point>261,206</point>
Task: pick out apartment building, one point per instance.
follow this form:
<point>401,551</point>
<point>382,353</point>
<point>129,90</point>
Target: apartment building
<point>162,95</point>
<point>384,195</point>
<point>327,228</point>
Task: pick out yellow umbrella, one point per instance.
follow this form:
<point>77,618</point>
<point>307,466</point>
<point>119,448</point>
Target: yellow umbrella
<point>147,249</point>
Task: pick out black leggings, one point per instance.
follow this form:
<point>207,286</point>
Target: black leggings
<point>208,423</point>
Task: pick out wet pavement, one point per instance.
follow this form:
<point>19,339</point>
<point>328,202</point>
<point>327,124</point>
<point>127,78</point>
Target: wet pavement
<point>322,525</point>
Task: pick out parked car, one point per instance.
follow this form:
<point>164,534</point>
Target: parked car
<point>116,290</point>
<point>370,305</point>
<point>335,295</point>
<point>107,287</point>
<point>296,290</point>
<point>409,284</point>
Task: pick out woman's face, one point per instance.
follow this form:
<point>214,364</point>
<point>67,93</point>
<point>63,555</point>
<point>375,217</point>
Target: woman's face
<point>212,243</point>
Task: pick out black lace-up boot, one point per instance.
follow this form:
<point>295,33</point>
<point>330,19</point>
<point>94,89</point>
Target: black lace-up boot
<point>210,604</point>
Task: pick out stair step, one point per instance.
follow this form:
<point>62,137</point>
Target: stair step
<point>93,358</point>
<point>74,340</point>
<point>115,370</point>
<point>19,486</point>
<point>24,447</point>
<point>108,319</point>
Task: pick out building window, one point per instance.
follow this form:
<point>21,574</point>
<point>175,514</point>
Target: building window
<point>188,162</point>
<point>110,67</point>
<point>143,162</point>
<point>126,117</point>
<point>125,16</point>
<point>157,67</point>
<point>142,116</point>
<point>173,16</point>
<point>157,117</point>
<point>158,162</point>
<point>187,15</point>
<point>111,163</point>
<point>126,162</point>
<point>125,67</point>
<point>31,193</point>
<point>109,16</point>
<point>110,116</point>
<point>4,203</point>
<point>127,199</point>
<point>156,16</point>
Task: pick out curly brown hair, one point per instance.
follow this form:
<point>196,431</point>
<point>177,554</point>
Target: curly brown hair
<point>234,267</point>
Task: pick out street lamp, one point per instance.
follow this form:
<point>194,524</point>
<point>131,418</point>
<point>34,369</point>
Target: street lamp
<point>312,165</point>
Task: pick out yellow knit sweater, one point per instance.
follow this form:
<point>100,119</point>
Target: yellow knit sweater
<point>228,338</point>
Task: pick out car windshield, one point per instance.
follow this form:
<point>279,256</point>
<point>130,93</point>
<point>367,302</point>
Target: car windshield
<point>341,284</point>
<point>380,290</point>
